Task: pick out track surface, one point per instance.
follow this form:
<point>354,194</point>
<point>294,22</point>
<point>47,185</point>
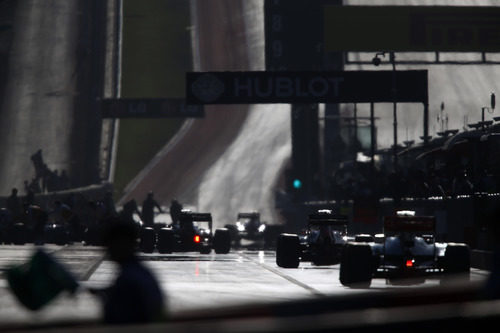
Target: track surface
<point>191,282</point>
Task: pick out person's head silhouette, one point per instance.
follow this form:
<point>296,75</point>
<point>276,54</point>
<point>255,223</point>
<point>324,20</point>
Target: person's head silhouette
<point>120,238</point>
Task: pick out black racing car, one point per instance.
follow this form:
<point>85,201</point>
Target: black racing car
<point>255,232</point>
<point>321,243</point>
<point>192,233</point>
<point>248,226</point>
<point>408,253</point>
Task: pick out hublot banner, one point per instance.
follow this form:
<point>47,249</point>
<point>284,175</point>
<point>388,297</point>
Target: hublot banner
<point>306,87</point>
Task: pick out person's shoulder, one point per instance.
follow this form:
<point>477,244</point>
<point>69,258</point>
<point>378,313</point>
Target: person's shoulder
<point>136,270</point>
<point>139,278</point>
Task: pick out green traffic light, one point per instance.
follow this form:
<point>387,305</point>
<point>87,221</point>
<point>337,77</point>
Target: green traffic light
<point>297,184</point>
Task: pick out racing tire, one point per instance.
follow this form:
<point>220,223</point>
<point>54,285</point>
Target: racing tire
<point>19,234</point>
<point>356,267</point>
<point>56,234</point>
<point>166,240</point>
<point>222,241</point>
<point>59,235</point>
<point>288,251</point>
<point>233,233</point>
<point>271,234</point>
<point>148,237</point>
<point>457,260</point>
<point>91,236</point>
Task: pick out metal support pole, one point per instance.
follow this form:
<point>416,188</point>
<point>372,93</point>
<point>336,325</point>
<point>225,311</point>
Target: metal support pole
<point>426,123</point>
<point>395,114</point>
<point>356,121</point>
<point>372,133</point>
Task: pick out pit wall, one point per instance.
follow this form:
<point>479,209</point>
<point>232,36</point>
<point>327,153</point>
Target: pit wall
<point>81,195</point>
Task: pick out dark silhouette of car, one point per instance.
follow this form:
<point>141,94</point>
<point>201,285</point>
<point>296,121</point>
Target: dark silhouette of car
<point>257,233</point>
<point>407,254</point>
<point>321,243</point>
<point>194,232</point>
<point>248,226</point>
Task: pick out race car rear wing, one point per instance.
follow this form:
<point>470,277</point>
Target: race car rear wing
<point>416,224</point>
<point>200,217</point>
<point>248,215</point>
<point>190,217</point>
<point>330,219</point>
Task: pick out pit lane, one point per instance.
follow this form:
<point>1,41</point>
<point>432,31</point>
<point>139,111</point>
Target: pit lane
<point>190,281</point>
<point>195,282</point>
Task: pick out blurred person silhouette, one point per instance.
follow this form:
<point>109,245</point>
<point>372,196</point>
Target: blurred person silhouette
<point>5,224</point>
<point>486,182</point>
<point>128,210</point>
<point>38,164</point>
<point>148,207</point>
<point>418,187</point>
<point>135,296</point>
<point>29,199</point>
<point>37,218</point>
<point>461,184</point>
<point>26,186</point>
<point>435,187</point>
<point>64,181</point>
<point>44,177</point>
<point>53,181</point>
<point>14,206</point>
<point>90,223</point>
<point>109,204</point>
<point>175,211</point>
<point>34,185</point>
<point>61,213</point>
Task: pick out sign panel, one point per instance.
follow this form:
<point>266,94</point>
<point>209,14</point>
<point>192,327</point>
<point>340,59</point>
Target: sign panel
<point>294,34</point>
<point>149,108</point>
<point>306,87</point>
<point>412,28</point>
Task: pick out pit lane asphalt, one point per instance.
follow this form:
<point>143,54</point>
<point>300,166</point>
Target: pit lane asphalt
<point>190,281</point>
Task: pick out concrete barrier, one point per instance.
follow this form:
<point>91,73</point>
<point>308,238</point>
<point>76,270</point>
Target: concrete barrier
<point>92,192</point>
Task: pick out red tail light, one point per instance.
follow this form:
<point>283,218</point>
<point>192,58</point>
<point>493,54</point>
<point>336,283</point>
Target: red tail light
<point>197,239</point>
<point>409,262</point>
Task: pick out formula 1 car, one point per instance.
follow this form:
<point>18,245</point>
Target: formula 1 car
<point>255,232</point>
<point>192,233</point>
<point>247,226</point>
<point>408,253</point>
<point>321,243</point>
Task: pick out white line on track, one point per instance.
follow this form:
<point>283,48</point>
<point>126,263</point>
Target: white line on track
<point>285,276</point>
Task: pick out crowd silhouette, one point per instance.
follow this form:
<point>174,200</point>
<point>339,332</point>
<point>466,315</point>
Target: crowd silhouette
<point>72,217</point>
<point>45,179</point>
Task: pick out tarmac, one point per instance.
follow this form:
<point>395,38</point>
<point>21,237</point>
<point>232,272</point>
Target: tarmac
<point>192,283</point>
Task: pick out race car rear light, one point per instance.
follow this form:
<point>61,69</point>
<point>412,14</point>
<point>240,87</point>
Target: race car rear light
<point>197,239</point>
<point>409,262</point>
